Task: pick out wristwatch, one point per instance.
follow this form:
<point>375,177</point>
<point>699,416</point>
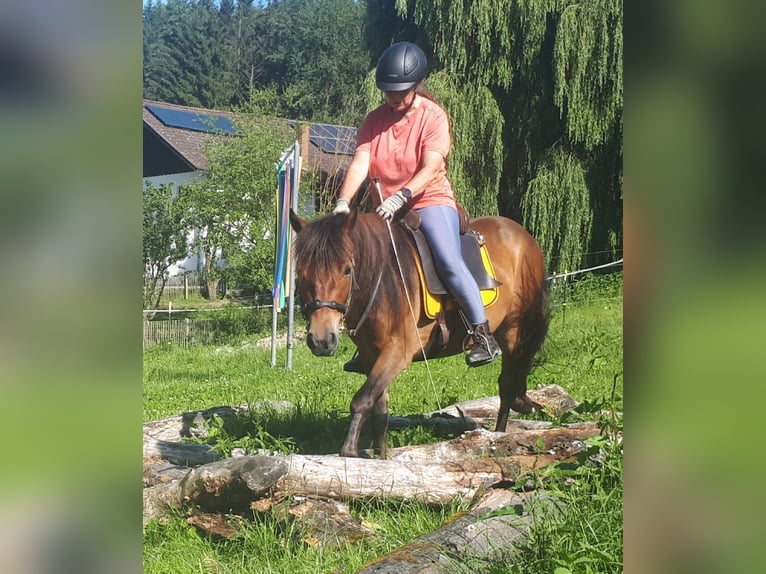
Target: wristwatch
<point>407,193</point>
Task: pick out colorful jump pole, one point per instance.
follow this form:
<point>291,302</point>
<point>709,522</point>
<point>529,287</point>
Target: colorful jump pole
<point>283,291</point>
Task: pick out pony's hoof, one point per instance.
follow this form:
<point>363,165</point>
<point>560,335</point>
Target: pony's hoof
<point>349,452</point>
<point>524,405</point>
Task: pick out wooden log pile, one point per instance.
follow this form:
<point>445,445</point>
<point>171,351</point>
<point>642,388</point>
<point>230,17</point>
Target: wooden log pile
<point>473,467</point>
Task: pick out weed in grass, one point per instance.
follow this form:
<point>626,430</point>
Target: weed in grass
<point>417,434</point>
<point>253,439</point>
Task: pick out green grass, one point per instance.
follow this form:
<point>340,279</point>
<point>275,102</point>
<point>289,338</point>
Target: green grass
<point>587,536</point>
<point>269,546</point>
<point>583,354</point>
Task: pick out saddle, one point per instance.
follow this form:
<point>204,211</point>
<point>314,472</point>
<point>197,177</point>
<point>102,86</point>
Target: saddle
<point>437,299</point>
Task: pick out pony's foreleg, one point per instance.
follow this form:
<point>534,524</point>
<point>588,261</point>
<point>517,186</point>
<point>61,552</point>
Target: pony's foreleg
<point>372,399</point>
<point>362,406</point>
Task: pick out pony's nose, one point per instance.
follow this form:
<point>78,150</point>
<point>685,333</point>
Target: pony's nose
<point>322,346</point>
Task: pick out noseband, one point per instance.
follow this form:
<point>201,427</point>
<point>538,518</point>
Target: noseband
<point>309,308</point>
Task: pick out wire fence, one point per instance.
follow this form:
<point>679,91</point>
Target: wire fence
<point>181,332</point>
<point>582,271</point>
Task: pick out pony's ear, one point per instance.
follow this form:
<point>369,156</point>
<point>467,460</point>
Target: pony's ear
<point>297,223</point>
<point>350,220</point>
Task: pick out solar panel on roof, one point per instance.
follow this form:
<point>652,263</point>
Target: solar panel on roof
<point>196,121</point>
<point>333,139</point>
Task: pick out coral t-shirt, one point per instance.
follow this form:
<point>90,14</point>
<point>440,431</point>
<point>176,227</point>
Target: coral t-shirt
<point>396,149</point>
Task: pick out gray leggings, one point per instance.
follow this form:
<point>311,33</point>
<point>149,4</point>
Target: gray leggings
<point>441,228</point>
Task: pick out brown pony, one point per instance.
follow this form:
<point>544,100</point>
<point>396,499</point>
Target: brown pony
<point>347,272</point>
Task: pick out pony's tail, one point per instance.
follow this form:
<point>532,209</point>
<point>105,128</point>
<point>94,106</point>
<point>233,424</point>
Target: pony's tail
<point>534,323</point>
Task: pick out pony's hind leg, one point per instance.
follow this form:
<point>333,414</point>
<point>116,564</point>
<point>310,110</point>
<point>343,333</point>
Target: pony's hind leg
<point>379,420</point>
<point>512,382</point>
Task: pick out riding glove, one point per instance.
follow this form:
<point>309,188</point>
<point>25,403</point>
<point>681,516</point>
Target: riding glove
<point>391,205</point>
<point>341,206</point>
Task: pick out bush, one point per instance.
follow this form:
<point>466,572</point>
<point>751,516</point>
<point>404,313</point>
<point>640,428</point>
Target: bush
<point>233,322</point>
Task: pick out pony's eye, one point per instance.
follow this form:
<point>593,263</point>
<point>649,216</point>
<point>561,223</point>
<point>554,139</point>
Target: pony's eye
<point>347,271</point>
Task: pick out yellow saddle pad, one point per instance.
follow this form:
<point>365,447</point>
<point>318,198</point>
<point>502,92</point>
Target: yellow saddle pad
<point>433,303</point>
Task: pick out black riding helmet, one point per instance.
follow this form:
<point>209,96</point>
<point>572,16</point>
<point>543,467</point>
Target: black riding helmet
<point>400,67</point>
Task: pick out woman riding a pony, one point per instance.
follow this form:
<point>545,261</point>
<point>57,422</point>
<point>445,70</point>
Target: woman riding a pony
<point>402,146</point>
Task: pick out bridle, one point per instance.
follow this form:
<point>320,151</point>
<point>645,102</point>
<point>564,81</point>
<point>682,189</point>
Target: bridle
<point>308,308</point>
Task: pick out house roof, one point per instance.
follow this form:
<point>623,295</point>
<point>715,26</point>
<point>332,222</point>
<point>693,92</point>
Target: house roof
<point>183,130</point>
<point>186,143</point>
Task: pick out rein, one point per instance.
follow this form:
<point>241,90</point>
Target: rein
<point>359,323</point>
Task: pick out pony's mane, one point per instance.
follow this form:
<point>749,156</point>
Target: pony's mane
<point>321,244</point>
<point>329,242</point>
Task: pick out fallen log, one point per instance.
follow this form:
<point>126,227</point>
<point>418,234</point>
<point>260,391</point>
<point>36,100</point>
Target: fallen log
<point>520,441</point>
<point>223,486</point>
<point>442,424</point>
<point>193,424</point>
<point>482,412</point>
<point>161,471</point>
<point>489,531</point>
<point>186,454</point>
<point>455,418</point>
<point>552,398</point>
<point>231,485</point>
<point>435,474</point>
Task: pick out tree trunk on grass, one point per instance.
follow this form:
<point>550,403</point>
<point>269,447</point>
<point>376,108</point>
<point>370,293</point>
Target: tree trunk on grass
<point>528,447</point>
<point>211,290</point>
<point>185,454</point>
<point>435,474</point>
<point>489,531</point>
<point>193,424</point>
<point>552,398</point>
<point>230,485</point>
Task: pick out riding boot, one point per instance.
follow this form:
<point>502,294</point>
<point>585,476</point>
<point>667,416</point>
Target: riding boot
<point>484,349</point>
<point>354,365</point>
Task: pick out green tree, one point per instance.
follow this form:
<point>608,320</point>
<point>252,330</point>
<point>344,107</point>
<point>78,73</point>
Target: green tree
<point>164,239</point>
<point>233,207</point>
<point>308,52</point>
<point>184,55</point>
<point>311,54</point>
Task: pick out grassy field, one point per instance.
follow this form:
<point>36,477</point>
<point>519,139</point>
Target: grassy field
<point>583,354</point>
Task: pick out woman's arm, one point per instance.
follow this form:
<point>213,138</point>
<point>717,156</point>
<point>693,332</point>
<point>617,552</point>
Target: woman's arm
<point>355,175</point>
<point>430,164</point>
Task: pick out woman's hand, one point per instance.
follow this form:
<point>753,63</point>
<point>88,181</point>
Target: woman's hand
<point>341,206</point>
<point>391,205</point>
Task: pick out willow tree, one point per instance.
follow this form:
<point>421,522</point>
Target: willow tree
<point>553,71</point>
